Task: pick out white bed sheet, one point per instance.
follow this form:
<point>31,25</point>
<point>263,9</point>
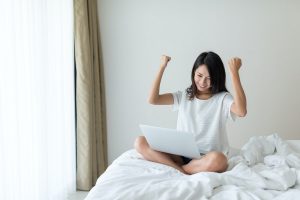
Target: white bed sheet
<point>265,168</point>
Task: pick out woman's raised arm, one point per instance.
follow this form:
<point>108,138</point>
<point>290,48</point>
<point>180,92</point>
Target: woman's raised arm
<point>160,99</point>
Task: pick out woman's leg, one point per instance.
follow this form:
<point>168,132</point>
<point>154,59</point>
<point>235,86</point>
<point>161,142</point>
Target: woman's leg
<point>211,162</point>
<point>142,146</point>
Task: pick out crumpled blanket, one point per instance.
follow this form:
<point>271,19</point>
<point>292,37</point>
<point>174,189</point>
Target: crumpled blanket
<point>266,162</point>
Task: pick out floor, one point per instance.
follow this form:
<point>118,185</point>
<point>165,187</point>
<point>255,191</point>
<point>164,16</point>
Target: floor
<point>79,195</point>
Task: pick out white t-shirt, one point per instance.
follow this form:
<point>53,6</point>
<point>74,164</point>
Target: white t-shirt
<point>206,119</point>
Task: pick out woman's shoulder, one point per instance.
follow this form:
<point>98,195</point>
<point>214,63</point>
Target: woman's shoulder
<point>222,95</point>
<point>178,93</point>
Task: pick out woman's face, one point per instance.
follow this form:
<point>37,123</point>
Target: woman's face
<point>202,79</point>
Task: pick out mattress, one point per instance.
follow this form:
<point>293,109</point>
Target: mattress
<point>266,167</point>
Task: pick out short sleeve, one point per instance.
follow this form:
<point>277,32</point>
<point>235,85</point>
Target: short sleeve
<point>177,99</point>
<point>227,103</point>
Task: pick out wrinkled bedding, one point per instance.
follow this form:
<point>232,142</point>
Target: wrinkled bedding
<point>266,167</point>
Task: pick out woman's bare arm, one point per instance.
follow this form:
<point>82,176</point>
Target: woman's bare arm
<point>239,106</point>
<point>160,99</point>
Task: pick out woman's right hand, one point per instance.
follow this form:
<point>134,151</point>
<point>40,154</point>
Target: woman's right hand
<point>164,61</point>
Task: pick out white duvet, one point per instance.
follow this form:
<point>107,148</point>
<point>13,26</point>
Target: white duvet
<point>265,168</point>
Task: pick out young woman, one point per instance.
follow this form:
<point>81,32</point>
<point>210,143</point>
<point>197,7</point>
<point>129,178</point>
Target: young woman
<point>203,109</point>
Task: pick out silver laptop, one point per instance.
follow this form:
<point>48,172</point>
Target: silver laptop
<point>171,141</point>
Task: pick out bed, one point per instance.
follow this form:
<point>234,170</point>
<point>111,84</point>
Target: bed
<point>266,167</point>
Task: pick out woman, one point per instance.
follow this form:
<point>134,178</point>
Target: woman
<point>203,109</point>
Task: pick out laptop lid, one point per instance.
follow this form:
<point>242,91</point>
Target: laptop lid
<point>171,141</point>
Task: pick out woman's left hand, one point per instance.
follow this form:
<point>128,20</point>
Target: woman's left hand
<point>234,64</point>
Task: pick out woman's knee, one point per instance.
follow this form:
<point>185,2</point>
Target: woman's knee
<point>140,144</point>
<point>217,162</point>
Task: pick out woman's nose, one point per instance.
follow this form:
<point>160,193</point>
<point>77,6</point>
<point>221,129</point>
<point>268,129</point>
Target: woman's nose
<point>202,81</point>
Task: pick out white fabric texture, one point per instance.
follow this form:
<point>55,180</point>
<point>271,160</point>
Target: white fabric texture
<point>37,115</point>
<point>206,119</point>
<point>132,177</point>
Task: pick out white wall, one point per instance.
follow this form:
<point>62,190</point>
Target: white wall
<point>265,34</point>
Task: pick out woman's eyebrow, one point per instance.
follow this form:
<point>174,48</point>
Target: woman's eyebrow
<point>202,74</point>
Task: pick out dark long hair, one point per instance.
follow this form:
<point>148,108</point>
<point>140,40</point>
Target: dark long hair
<point>216,72</point>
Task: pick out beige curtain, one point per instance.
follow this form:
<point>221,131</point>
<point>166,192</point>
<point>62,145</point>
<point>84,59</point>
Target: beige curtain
<point>90,104</point>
